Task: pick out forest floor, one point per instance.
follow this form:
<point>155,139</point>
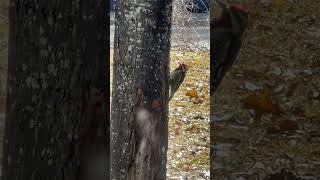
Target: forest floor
<point>266,115</point>
<point>189,113</point>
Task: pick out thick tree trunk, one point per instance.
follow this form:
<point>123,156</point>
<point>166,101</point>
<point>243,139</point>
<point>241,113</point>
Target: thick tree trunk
<point>57,71</point>
<point>139,121</point>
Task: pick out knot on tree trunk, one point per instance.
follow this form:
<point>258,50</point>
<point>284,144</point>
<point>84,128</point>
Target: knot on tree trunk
<point>145,161</point>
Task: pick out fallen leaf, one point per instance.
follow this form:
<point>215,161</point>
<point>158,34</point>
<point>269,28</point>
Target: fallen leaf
<point>261,102</point>
<point>195,128</point>
<point>192,94</point>
<point>197,101</point>
<point>176,130</point>
<point>187,167</point>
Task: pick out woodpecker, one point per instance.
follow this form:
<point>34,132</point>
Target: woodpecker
<point>226,38</point>
<point>176,78</point>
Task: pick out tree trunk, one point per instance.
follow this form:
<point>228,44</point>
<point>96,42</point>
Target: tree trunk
<point>57,83</point>
<point>139,114</point>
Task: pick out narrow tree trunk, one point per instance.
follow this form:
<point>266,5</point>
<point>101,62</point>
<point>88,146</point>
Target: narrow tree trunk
<point>57,69</point>
<point>139,115</point>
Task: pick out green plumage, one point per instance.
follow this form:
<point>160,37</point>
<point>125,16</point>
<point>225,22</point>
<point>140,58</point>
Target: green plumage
<point>176,78</point>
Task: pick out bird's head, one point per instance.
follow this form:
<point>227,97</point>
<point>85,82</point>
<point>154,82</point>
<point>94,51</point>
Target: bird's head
<point>233,16</point>
<point>239,18</point>
<point>239,9</point>
<point>183,67</point>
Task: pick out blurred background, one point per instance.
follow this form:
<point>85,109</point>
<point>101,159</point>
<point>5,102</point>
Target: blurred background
<point>190,29</point>
<point>266,114</point>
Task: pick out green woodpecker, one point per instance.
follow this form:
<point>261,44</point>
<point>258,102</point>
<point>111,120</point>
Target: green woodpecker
<point>176,78</point>
<point>226,39</point>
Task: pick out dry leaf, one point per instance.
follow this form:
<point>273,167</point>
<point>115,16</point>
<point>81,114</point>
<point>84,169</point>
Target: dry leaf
<point>195,128</point>
<point>197,101</point>
<point>176,130</point>
<point>192,94</point>
<point>261,102</point>
<point>187,167</point>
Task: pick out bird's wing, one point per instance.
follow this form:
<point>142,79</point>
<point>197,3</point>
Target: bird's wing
<point>221,39</point>
<point>234,49</point>
<point>176,78</point>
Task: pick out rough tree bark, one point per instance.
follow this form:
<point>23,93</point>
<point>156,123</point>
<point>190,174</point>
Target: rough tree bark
<point>57,69</point>
<point>139,121</point>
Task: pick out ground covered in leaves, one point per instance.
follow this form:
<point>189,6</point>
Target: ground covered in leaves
<point>266,115</point>
<point>189,112</point>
